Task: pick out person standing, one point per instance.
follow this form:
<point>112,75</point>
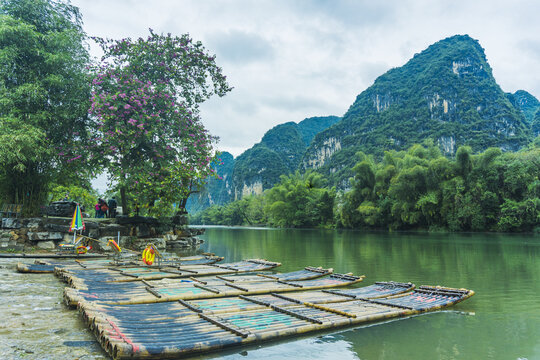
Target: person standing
<point>97,207</point>
<point>112,207</point>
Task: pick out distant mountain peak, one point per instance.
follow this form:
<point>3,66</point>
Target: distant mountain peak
<point>525,102</point>
<point>446,93</point>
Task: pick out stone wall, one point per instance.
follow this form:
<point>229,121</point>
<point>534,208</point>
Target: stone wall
<point>18,234</point>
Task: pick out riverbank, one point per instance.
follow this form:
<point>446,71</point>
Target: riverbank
<point>46,233</point>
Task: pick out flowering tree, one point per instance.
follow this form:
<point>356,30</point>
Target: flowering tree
<point>145,102</point>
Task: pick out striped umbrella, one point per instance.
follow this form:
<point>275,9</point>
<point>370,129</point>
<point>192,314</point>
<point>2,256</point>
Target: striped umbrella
<point>77,222</point>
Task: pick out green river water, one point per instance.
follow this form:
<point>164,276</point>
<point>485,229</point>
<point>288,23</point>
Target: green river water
<point>502,321</point>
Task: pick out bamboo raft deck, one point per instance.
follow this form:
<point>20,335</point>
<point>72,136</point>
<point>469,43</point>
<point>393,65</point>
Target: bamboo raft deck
<point>172,310</point>
<point>165,312</point>
<point>51,256</point>
<point>80,277</point>
<point>172,329</point>
<point>200,288</point>
<point>48,267</point>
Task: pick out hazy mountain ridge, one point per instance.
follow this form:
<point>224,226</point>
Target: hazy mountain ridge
<point>279,152</point>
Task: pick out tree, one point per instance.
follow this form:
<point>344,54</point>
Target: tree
<point>297,201</point>
<point>43,97</point>
<point>145,100</point>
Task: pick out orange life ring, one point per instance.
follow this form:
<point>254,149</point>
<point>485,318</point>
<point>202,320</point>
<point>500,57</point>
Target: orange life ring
<point>81,249</point>
<point>148,255</point>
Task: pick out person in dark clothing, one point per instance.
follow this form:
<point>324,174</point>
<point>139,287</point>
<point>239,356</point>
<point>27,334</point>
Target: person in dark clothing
<point>112,207</point>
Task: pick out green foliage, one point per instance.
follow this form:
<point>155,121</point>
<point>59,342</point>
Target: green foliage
<point>535,124</point>
<point>44,96</point>
<point>258,164</point>
<point>296,201</point>
<point>414,189</point>
<point>312,126</point>
<point>524,102</point>
<point>300,201</point>
<point>516,215</point>
<point>87,198</point>
<point>247,211</point>
<point>420,188</point>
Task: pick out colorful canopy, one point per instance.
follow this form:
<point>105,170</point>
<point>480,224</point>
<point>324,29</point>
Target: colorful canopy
<point>77,222</point>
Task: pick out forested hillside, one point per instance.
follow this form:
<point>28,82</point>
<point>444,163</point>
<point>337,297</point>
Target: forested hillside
<point>279,152</point>
<point>418,188</point>
<point>446,93</point>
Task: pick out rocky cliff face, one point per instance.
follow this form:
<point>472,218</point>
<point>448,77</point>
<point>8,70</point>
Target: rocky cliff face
<point>446,93</point>
<point>279,152</point>
<point>218,191</point>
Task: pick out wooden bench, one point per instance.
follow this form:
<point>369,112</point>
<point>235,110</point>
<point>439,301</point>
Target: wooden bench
<point>11,210</point>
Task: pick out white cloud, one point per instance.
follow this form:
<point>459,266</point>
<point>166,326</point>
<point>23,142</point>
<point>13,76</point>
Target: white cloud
<point>291,59</point>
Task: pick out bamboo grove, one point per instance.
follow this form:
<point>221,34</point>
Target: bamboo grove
<point>414,189</point>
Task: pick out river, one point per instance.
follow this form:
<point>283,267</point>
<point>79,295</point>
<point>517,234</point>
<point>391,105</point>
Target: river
<point>502,321</point>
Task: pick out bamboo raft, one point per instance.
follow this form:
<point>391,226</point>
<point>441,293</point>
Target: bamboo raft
<point>136,261</point>
<point>169,311</point>
<point>199,288</point>
<point>52,256</point>
<point>78,277</point>
<point>172,329</point>
<point>305,274</point>
<point>172,310</point>
<point>48,267</point>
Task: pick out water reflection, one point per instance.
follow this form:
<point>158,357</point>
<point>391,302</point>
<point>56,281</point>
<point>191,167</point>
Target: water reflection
<point>504,270</point>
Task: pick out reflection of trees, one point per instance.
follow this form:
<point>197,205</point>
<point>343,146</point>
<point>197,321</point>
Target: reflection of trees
<point>504,270</point>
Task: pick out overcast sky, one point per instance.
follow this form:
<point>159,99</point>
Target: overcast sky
<point>288,60</point>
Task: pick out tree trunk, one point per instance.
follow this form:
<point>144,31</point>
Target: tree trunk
<point>123,199</point>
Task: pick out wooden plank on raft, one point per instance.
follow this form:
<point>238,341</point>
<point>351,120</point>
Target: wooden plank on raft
<point>221,323</point>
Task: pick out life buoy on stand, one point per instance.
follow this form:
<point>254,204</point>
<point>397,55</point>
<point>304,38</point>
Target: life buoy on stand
<point>148,255</point>
<point>81,249</point>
